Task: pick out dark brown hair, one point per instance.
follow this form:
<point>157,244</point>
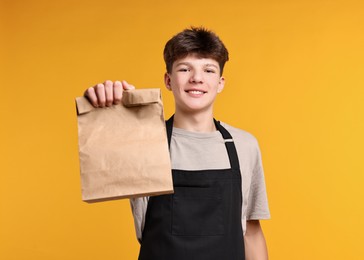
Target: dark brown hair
<point>198,41</point>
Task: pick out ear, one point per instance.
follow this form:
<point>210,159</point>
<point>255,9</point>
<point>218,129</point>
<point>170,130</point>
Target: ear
<point>167,81</point>
<point>221,84</point>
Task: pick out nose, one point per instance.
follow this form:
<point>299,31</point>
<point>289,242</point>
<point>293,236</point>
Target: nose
<point>196,77</point>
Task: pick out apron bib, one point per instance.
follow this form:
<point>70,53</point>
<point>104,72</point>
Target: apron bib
<point>202,219</point>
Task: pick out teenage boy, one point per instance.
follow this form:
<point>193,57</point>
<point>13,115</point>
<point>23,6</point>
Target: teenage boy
<point>217,172</point>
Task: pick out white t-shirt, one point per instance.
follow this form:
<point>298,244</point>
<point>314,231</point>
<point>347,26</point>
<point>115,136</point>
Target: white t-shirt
<point>206,151</point>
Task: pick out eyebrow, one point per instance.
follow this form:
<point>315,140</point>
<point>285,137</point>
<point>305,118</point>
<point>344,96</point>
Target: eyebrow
<point>206,64</point>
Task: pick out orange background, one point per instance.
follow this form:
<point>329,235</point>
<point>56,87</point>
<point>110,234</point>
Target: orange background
<point>295,80</point>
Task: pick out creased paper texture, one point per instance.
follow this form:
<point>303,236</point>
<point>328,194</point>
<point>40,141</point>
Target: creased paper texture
<point>123,149</point>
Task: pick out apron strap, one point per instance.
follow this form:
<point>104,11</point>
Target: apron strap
<point>230,146</point>
<point>229,142</point>
<point>169,128</point>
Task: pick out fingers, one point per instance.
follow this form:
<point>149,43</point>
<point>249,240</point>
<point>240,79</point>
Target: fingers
<point>107,93</point>
<point>119,87</point>
<point>100,93</point>
<point>127,86</point>
<point>118,92</point>
<point>91,95</point>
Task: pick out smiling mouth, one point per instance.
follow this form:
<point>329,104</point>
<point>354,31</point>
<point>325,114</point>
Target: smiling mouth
<point>196,92</point>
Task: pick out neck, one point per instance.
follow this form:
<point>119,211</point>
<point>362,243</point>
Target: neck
<point>199,122</point>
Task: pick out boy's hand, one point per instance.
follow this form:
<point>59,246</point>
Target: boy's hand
<point>107,93</point>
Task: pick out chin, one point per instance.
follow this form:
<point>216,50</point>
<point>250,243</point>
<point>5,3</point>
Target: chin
<point>196,108</point>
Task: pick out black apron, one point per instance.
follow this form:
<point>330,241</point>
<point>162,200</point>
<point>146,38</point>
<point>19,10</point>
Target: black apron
<point>202,219</point>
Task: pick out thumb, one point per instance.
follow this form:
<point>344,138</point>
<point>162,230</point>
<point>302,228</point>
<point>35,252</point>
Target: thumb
<point>127,86</point>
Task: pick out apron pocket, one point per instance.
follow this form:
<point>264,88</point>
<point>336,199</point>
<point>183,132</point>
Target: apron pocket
<point>197,211</point>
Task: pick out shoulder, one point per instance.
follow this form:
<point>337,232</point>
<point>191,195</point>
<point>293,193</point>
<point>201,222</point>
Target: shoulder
<point>246,145</point>
<point>241,136</point>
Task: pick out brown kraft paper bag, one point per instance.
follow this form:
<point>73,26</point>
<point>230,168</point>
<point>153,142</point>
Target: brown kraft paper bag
<point>123,149</point>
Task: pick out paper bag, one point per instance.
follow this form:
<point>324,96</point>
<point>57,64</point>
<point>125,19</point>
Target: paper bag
<point>123,149</point>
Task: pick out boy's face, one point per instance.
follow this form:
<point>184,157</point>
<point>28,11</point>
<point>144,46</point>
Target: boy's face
<point>195,83</point>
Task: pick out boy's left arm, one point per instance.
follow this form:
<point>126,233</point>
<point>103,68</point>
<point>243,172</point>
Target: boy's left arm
<point>255,246</point>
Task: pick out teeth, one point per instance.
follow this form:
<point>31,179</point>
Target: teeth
<point>195,92</point>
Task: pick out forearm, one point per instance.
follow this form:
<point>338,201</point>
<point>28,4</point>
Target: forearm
<point>255,246</point>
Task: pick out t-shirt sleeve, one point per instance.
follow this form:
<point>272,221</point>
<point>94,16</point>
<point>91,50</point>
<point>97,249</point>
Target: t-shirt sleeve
<point>139,209</point>
<point>257,202</point>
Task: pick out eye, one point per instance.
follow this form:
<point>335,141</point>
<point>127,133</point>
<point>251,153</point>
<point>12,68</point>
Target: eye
<point>210,71</point>
<point>184,69</point>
